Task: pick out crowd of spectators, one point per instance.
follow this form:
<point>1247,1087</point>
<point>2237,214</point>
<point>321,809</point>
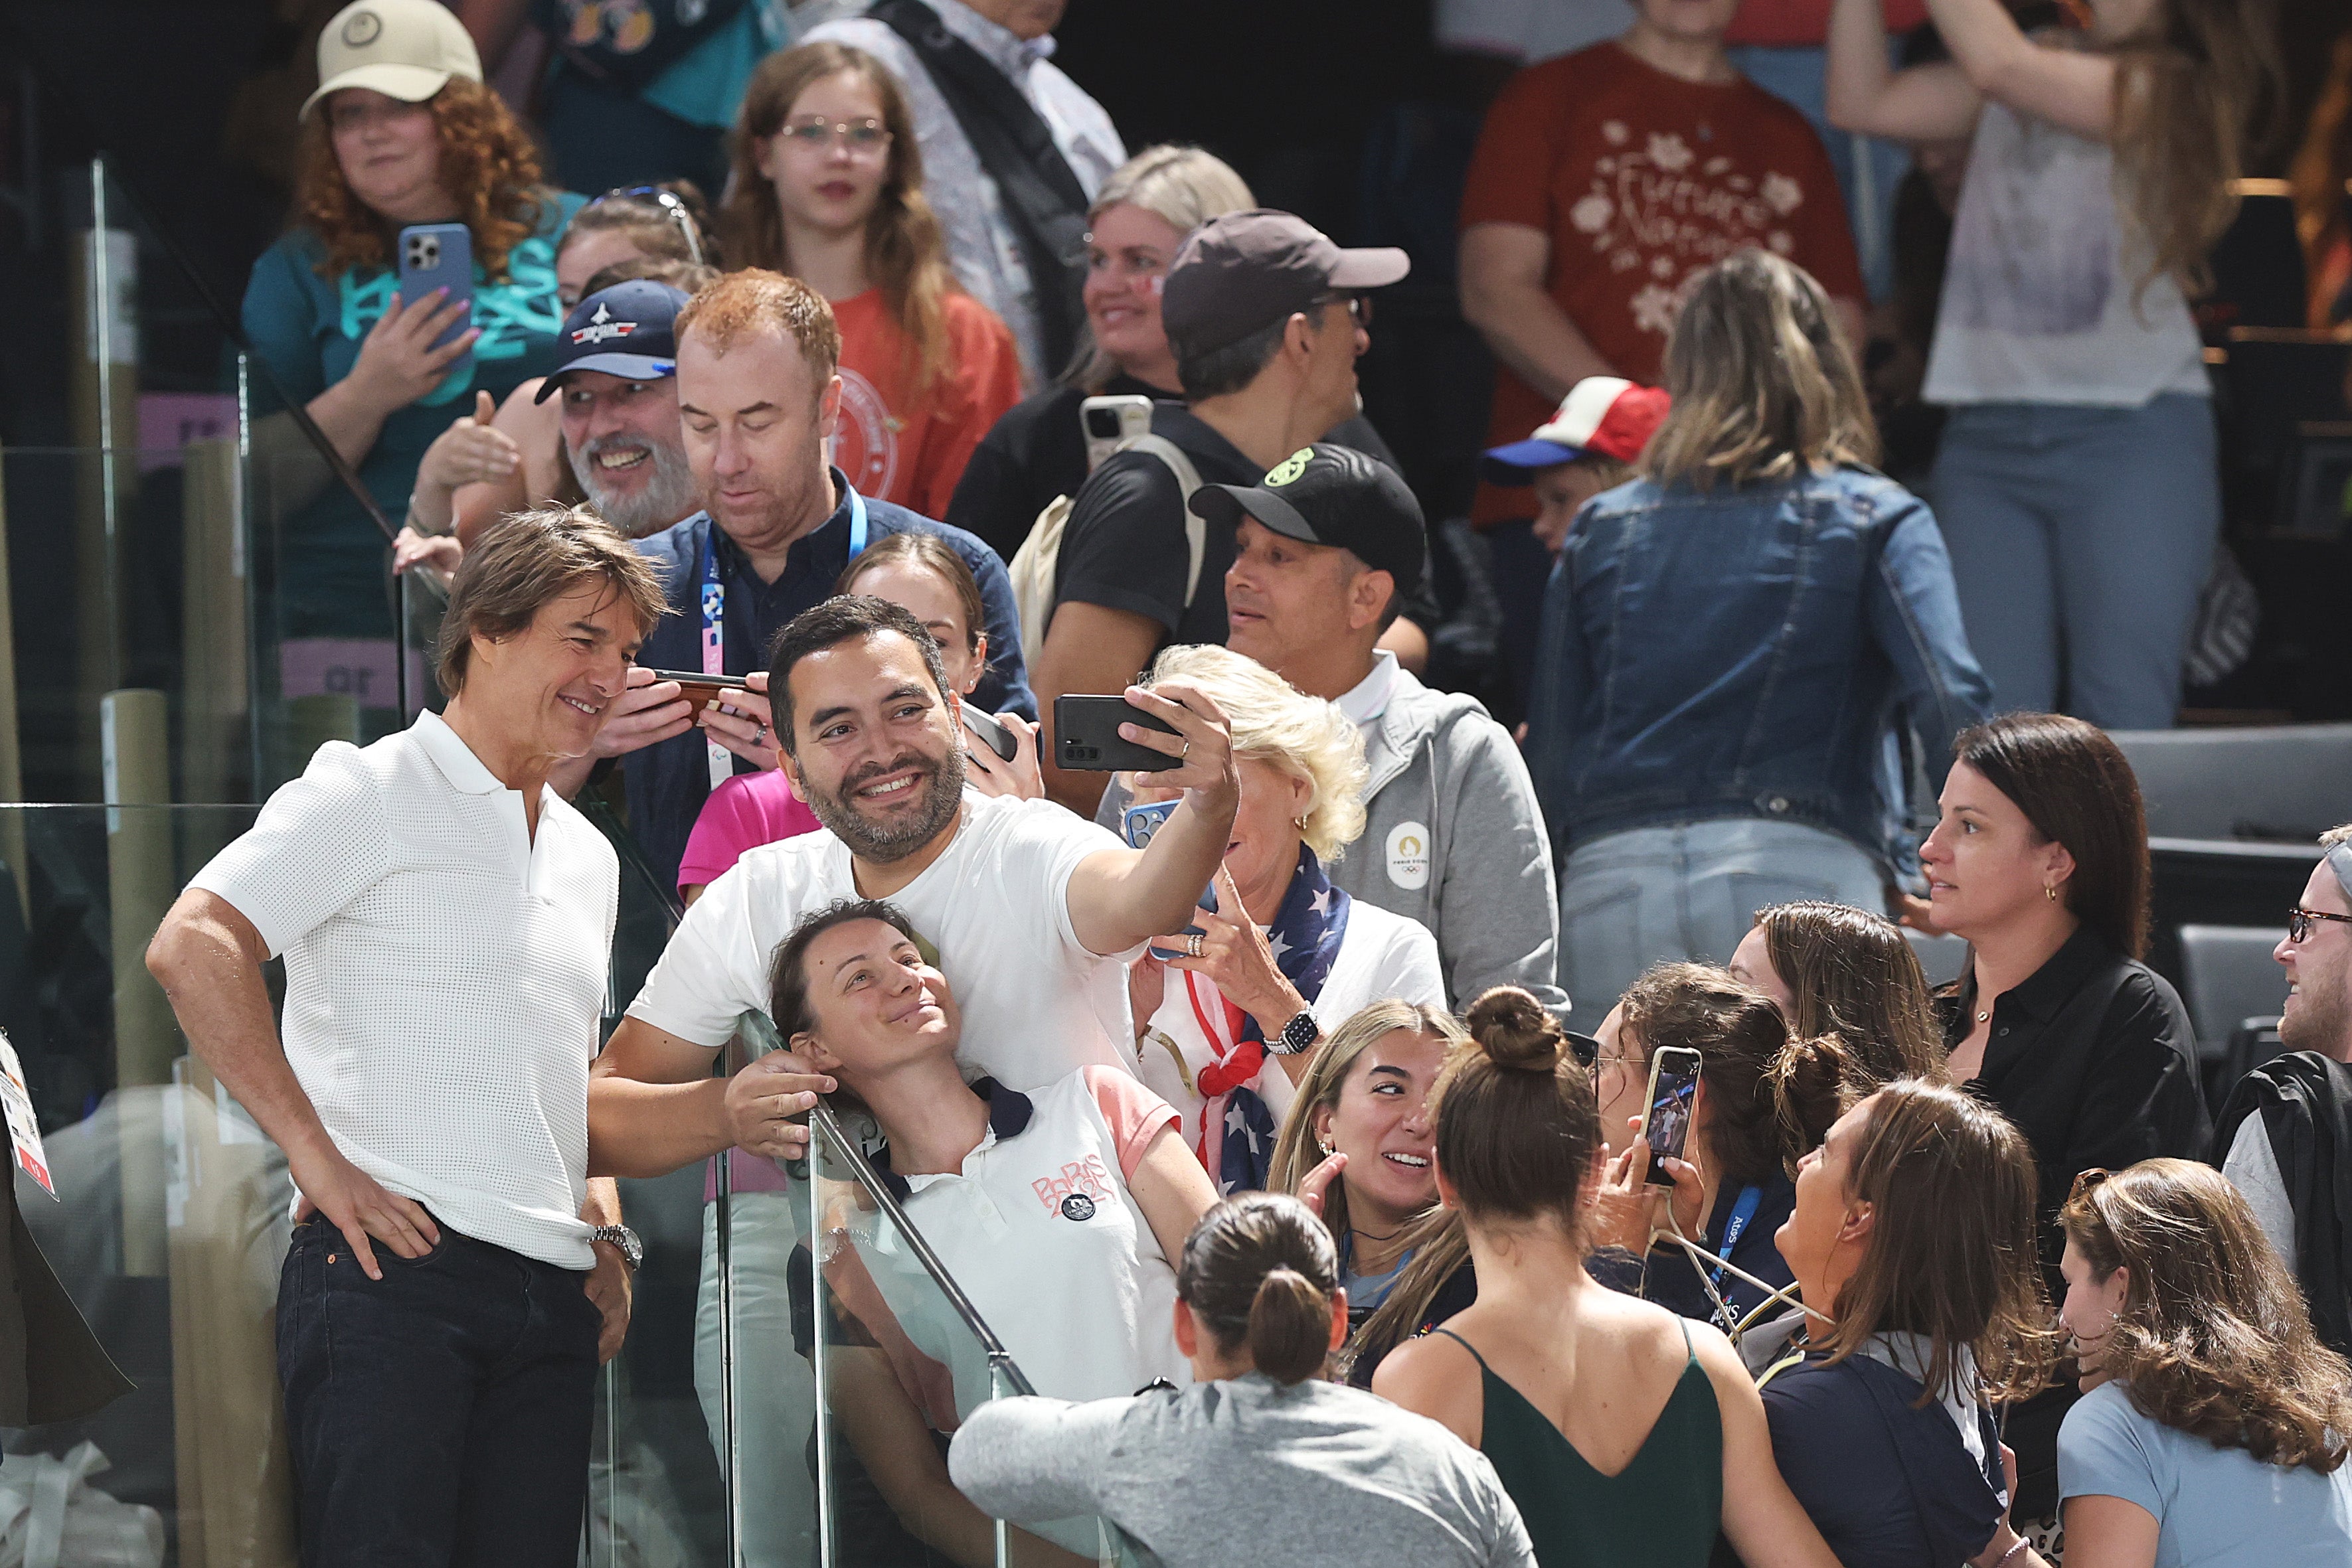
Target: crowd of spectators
<point>783,490</point>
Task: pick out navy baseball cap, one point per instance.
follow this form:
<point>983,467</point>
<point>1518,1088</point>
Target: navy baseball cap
<point>1332,495</point>
<point>628,330</point>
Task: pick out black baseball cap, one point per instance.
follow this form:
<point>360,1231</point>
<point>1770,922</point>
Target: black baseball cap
<point>1332,495</point>
<point>1248,271</point>
<point>628,330</point>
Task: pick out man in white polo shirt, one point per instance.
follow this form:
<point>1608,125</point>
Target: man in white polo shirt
<point>1032,911</point>
<point>447,923</point>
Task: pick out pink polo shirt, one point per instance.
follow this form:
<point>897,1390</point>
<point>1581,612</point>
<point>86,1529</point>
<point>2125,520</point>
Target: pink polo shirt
<point>746,812</point>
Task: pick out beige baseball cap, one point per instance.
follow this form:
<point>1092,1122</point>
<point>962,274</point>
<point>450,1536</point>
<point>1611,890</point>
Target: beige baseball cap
<point>406,49</point>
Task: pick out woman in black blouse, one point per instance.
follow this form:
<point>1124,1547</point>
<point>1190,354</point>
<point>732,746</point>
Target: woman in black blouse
<point>2040,860</point>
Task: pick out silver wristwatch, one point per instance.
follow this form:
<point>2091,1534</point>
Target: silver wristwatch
<point>633,1252</point>
<point>1301,1032</point>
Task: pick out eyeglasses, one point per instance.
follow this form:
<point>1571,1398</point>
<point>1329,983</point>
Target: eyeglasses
<point>1360,307</point>
<point>864,138</point>
<point>672,209</point>
<point>2299,919</point>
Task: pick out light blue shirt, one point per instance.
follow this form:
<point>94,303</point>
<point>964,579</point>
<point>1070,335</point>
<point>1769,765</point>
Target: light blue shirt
<point>2214,1507</point>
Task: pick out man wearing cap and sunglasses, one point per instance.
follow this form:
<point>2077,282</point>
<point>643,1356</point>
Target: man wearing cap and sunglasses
<point>2284,1138</point>
<point>1325,548</point>
<point>1265,316</point>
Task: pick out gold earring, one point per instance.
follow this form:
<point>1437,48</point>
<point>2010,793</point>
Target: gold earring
<point>1324,1146</point>
<point>2050,891</point>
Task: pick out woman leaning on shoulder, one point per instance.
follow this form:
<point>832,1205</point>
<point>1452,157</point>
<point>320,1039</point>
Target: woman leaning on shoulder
<point>1626,1433</point>
<point>2215,1425</point>
<point>1834,969</point>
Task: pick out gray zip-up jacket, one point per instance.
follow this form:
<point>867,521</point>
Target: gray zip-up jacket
<point>1452,838</point>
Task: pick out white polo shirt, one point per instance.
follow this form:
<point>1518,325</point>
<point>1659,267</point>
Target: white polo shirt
<point>445,977</point>
<point>1040,1231</point>
<point>994,907</point>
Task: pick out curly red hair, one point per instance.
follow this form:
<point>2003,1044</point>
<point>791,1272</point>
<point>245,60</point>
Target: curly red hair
<point>487,161</point>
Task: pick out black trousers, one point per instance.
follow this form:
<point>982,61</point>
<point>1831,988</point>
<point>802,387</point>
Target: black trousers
<point>438,1418</point>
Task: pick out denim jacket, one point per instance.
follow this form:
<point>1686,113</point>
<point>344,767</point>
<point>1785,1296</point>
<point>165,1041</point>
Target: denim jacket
<point>1746,652</point>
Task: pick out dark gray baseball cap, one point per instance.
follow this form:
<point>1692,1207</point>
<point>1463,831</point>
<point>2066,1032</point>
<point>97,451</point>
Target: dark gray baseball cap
<point>1332,495</point>
<point>1248,271</point>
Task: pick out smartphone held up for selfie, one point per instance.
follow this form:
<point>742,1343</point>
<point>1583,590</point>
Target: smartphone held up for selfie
<point>1086,737</point>
<point>439,256</point>
<point>991,733</point>
<point>1139,824</point>
<point>700,690</point>
<point>1665,1122</point>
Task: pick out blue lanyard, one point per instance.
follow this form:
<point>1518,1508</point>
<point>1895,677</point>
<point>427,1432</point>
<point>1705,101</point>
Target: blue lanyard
<point>1750,1199</point>
<point>714,592</point>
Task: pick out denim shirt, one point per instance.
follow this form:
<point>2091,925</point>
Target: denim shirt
<point>1750,652</point>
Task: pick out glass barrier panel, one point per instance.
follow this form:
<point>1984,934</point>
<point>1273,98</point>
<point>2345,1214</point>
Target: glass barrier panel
<point>898,1363</point>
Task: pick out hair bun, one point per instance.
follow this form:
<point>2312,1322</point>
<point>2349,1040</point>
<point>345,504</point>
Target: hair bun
<point>1513,1031</point>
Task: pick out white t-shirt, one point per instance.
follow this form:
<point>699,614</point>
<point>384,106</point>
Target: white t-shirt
<point>1383,956</point>
<point>445,973</point>
<point>995,907</point>
<point>2042,300</point>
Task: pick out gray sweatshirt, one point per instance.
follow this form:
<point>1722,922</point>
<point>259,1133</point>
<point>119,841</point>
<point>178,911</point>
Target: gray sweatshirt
<point>1452,838</point>
<point>1246,1471</point>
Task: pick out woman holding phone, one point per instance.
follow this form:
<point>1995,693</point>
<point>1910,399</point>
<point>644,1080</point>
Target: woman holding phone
<point>400,132</point>
<point>924,575</point>
<point>1227,1013</point>
<point>1625,1433</point>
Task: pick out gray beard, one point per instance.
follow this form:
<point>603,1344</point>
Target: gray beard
<point>668,495</point>
<point>881,844</point>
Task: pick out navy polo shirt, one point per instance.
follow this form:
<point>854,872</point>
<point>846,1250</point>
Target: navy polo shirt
<point>669,780</point>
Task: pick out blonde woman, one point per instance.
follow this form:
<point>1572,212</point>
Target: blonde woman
<point>1730,643</point>
<point>1278,954</point>
<point>1357,1144</point>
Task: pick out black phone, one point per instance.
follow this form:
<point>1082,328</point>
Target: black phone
<point>702,690</point>
<point>995,736</point>
<point>1086,737</point>
<point>1666,1124</point>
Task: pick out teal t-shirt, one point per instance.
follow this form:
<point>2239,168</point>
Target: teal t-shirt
<point>330,563</point>
<point>2214,1507</point>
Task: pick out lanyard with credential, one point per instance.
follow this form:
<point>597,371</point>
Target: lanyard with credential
<point>1750,1198</point>
<point>714,619</point>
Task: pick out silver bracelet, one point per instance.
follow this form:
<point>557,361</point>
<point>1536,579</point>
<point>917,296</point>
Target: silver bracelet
<point>2022,1543</point>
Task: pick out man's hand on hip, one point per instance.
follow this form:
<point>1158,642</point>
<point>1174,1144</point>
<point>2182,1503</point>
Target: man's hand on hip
<point>355,1204</point>
<point>610,1288</point>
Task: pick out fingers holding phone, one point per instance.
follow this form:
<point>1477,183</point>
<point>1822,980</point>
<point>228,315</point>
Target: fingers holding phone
<point>1001,758</point>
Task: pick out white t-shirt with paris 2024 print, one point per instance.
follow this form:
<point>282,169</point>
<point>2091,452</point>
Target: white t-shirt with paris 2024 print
<point>995,907</point>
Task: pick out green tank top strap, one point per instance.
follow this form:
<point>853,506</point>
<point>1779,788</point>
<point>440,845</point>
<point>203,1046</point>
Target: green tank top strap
<point>1466,1345</point>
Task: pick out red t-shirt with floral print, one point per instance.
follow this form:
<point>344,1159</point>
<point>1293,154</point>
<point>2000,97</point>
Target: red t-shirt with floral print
<point>1642,179</point>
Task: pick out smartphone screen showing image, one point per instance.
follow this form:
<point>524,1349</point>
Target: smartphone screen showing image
<point>1666,1125</point>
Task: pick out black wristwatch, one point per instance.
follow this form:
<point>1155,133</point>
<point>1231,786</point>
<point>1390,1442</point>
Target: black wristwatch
<point>633,1252</point>
<point>1299,1034</point>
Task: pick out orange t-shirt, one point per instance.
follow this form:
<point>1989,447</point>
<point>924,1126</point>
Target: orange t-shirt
<point>1642,179</point>
<point>1805,24</point>
<point>909,450</point>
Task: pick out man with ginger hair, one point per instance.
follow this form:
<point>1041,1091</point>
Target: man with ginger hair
<point>758,397</point>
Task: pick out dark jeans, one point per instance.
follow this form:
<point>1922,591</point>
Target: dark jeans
<point>439,1416</point>
<point>1522,571</point>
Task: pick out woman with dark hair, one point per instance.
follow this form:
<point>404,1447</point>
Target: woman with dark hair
<point>2214,1426</point>
<point>1834,969</point>
<point>1728,641</point>
<point>828,187</point>
<point>1913,1242</point>
<point>1260,1459</point>
<point>1765,1097</point>
<point>2040,860</point>
<point>1626,1433</point>
<point>2076,478</point>
<point>400,132</point>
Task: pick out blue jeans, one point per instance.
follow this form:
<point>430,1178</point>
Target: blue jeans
<point>1649,895</point>
<point>2080,538</point>
<point>440,1415</point>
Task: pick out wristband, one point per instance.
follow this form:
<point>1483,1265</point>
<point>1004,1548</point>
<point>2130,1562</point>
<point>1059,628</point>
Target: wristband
<point>2022,1543</point>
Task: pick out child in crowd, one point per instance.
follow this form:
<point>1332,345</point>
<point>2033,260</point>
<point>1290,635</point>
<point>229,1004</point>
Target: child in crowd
<point>928,577</point>
<point>828,186</point>
<point>1588,445</point>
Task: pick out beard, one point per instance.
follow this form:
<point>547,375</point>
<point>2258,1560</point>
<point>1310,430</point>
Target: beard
<point>667,494</point>
<point>942,788</point>
<point>2322,1018</point>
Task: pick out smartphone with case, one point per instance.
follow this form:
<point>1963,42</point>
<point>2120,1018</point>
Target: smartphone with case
<point>1666,1121</point>
<point>1086,737</point>
<point>1109,421</point>
<point>991,733</point>
<point>1138,824</point>
<point>702,690</point>
<point>439,256</point>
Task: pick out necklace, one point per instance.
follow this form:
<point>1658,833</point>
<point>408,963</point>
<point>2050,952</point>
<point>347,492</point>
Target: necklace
<point>1370,1235</point>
